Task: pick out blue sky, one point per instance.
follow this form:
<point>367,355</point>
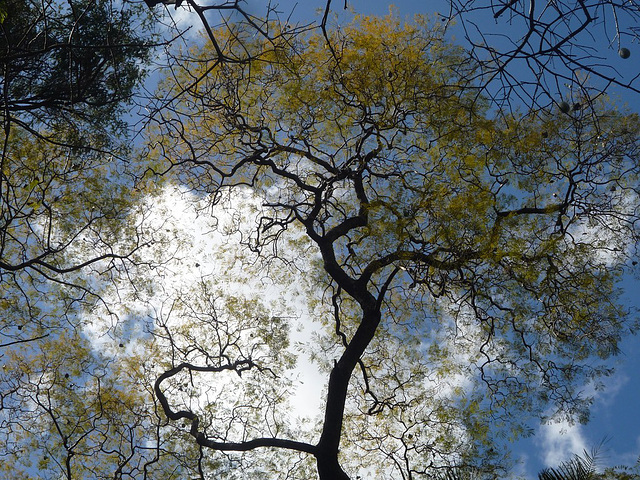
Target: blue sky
<point>615,416</point>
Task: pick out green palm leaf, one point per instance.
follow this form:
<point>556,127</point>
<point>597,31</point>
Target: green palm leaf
<point>577,468</point>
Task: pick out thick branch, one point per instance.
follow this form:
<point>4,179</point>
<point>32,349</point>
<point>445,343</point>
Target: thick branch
<point>238,366</point>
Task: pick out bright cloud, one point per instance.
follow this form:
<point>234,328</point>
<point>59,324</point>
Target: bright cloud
<point>560,441</point>
<point>204,243</point>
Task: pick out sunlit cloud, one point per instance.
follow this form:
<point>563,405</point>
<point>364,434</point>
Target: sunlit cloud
<point>606,391</point>
<point>560,441</point>
<point>203,242</point>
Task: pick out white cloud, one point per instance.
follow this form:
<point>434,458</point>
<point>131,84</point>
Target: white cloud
<point>607,390</point>
<point>203,243</point>
<point>560,441</point>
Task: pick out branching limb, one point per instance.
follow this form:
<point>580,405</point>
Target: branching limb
<point>238,366</point>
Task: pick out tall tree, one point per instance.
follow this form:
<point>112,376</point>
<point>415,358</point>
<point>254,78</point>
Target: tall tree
<point>453,243</point>
<point>67,69</point>
<point>71,221</point>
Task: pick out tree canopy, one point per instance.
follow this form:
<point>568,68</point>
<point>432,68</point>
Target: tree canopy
<point>67,201</point>
<point>536,53</point>
<point>68,68</point>
<point>458,264</point>
<point>65,61</point>
<point>453,241</point>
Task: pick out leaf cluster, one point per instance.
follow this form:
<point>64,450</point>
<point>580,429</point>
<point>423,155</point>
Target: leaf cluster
<point>64,61</point>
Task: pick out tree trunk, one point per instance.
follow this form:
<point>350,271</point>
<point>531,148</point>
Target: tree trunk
<point>327,453</point>
<point>329,468</point>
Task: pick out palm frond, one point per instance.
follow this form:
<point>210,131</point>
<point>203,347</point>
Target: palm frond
<point>579,467</point>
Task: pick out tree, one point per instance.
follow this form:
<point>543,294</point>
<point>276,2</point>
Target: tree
<point>67,70</point>
<point>75,398</point>
<point>537,53</point>
<point>65,63</point>
<point>452,242</point>
<point>461,264</point>
<point>577,468</point>
<point>71,222</point>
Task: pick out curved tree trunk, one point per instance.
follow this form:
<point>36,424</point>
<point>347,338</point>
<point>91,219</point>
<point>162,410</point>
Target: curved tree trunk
<point>327,449</point>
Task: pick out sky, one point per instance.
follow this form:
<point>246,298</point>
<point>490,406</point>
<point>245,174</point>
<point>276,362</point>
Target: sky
<point>615,416</point>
